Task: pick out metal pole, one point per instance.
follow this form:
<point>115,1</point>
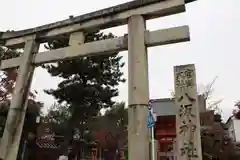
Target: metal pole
<point>24,149</point>
<point>153,144</point>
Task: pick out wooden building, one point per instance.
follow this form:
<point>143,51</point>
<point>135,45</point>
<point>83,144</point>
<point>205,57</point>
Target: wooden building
<point>42,145</point>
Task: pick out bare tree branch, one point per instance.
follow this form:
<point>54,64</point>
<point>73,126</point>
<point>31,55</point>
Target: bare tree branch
<point>207,91</point>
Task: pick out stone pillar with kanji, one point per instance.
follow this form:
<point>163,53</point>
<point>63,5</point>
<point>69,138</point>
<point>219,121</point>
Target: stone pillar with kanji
<point>187,118</point>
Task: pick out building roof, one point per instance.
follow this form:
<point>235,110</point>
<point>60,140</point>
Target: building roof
<point>47,142</point>
<point>46,145</point>
<point>166,106</point>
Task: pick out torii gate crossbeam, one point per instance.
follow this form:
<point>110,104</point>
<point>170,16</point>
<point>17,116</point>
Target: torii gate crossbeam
<point>135,14</point>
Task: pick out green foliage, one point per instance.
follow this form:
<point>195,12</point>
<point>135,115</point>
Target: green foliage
<point>33,110</point>
<point>114,120</point>
<point>58,115</point>
<point>89,82</point>
<point>117,116</point>
<point>216,144</point>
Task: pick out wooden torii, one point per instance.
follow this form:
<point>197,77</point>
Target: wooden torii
<point>134,14</point>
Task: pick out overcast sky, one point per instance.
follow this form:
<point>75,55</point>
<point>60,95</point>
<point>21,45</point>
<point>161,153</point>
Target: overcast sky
<point>214,27</point>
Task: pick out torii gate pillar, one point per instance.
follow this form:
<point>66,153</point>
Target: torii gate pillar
<point>138,90</point>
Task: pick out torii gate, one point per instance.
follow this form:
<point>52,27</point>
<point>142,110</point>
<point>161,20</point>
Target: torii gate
<point>133,13</point>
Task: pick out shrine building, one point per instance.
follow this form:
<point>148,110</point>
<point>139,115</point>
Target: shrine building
<point>165,128</point>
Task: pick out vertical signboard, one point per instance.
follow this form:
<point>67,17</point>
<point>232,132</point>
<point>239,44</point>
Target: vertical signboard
<point>187,118</point>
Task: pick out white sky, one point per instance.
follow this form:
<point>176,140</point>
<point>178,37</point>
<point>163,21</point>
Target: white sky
<point>214,27</point>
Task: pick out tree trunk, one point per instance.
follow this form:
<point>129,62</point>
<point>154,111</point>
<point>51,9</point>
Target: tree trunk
<point>70,131</point>
<point>68,136</point>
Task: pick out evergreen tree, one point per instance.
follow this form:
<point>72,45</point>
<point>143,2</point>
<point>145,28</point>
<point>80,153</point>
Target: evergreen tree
<point>89,83</point>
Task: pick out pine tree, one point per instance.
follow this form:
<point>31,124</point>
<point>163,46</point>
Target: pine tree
<point>89,83</point>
